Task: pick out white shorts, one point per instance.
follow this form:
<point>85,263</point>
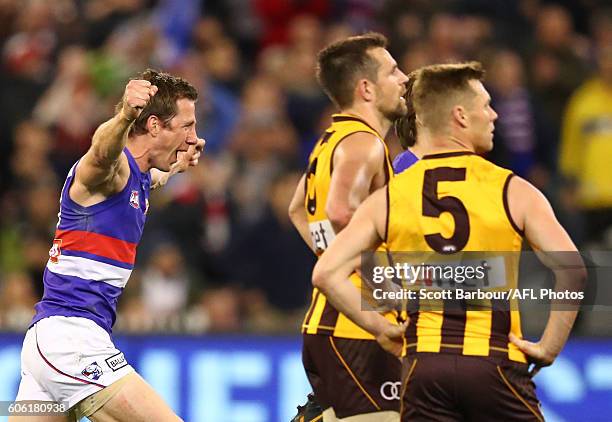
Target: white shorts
<point>66,359</point>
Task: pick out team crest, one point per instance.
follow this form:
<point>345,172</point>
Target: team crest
<point>92,371</point>
<point>134,199</point>
<point>55,251</point>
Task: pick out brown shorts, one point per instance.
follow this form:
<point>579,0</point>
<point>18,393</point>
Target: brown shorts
<point>352,376</point>
<point>445,387</point>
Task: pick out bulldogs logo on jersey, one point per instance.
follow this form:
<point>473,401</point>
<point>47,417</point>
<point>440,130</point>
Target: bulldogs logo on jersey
<point>92,371</point>
<point>134,199</point>
<point>55,251</point>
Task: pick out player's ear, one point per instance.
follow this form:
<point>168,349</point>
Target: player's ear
<point>365,89</point>
<point>153,125</point>
<point>460,116</point>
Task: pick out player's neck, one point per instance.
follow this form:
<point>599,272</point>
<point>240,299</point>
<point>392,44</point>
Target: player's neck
<point>372,117</point>
<point>429,143</point>
<point>419,150</point>
<point>138,147</point>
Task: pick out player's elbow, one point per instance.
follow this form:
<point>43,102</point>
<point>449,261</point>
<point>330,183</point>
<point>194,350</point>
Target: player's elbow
<point>294,211</point>
<point>339,215</point>
<point>321,276</point>
<point>581,276</point>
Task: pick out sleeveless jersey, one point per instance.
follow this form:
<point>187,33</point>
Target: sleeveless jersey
<point>451,202</point>
<point>94,250</point>
<point>321,317</point>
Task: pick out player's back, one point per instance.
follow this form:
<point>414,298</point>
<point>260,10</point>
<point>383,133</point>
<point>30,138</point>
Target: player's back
<point>321,317</point>
<point>448,203</point>
<point>94,251</point>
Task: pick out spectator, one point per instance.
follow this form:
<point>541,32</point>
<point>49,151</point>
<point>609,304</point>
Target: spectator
<point>280,268</point>
<point>587,145</point>
<point>521,134</point>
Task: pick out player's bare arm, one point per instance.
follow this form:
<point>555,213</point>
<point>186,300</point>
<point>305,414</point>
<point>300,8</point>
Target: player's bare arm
<point>358,170</point>
<point>532,211</point>
<point>297,212</point>
<point>185,160</point>
<point>104,169</point>
<point>364,232</point>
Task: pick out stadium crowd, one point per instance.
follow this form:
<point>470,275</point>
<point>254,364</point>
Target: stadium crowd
<point>219,253</point>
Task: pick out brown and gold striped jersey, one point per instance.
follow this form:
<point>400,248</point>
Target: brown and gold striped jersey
<point>447,203</point>
<point>321,317</point>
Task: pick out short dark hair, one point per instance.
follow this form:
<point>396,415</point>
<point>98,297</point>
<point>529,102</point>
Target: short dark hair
<point>342,63</point>
<point>163,104</point>
<point>438,87</point>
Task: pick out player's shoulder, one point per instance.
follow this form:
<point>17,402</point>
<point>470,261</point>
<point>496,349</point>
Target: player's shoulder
<point>521,189</point>
<point>361,144</point>
<point>487,170</point>
<point>91,171</point>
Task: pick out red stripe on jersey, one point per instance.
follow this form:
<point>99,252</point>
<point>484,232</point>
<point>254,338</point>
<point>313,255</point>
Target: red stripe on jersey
<point>97,244</point>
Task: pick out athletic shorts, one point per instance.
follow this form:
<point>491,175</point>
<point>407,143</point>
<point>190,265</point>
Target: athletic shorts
<point>354,377</point>
<point>66,359</point>
<point>439,387</point>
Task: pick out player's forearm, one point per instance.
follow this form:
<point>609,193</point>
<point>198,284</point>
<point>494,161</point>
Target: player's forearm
<point>110,139</point>
<point>159,178</point>
<point>557,331</point>
<point>300,222</point>
<point>570,276</point>
<point>345,297</point>
<point>297,213</point>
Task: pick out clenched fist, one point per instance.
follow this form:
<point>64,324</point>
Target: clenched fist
<point>136,96</point>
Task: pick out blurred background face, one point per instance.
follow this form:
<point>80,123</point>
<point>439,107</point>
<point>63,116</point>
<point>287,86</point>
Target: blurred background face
<point>605,64</point>
<point>506,72</point>
<point>554,27</point>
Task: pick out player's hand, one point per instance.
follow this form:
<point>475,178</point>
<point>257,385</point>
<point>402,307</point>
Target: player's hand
<point>392,338</point>
<point>191,156</point>
<point>536,353</point>
<point>135,97</point>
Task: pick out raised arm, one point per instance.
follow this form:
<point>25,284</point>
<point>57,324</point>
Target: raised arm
<point>358,170</point>
<point>532,212</point>
<point>104,170</point>
<point>330,275</point>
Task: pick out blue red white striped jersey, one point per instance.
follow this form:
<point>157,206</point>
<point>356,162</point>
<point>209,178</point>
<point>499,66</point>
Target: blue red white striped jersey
<point>94,250</point>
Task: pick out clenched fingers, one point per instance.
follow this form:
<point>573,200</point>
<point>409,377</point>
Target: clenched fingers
<point>136,96</point>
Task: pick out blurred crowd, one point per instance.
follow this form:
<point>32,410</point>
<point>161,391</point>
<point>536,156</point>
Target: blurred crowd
<point>219,253</point>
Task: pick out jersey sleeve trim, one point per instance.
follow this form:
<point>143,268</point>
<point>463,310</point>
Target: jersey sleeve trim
<point>507,206</point>
<point>386,238</point>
